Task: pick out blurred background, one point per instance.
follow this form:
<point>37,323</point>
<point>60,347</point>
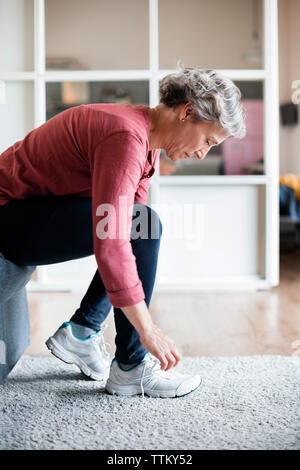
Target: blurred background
<point>55,54</point>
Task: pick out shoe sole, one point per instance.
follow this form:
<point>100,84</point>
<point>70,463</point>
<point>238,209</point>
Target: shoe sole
<point>130,390</point>
<point>69,358</point>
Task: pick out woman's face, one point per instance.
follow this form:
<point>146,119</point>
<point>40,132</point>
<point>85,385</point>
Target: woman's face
<point>186,138</point>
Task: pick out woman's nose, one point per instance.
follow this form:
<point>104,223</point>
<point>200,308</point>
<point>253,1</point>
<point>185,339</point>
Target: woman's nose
<point>200,154</point>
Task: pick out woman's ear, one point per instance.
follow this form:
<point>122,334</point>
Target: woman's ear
<point>189,109</point>
<point>185,110</point>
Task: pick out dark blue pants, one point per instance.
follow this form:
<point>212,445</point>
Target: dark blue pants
<point>47,230</point>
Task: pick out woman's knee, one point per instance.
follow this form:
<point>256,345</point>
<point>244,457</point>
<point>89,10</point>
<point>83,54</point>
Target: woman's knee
<point>146,222</point>
<point>156,224</point>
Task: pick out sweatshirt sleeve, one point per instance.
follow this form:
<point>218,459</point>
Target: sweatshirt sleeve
<point>116,167</point>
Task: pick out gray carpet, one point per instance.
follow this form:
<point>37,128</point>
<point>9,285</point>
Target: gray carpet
<point>243,403</point>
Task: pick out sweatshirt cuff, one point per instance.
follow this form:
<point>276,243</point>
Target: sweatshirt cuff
<point>127,297</point>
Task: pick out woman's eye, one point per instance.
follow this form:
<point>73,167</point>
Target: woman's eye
<point>207,142</point>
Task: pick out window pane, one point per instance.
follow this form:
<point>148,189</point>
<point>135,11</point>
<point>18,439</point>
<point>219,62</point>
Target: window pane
<point>16,35</point>
<point>97,34</point>
<point>233,156</point>
<point>217,34</point>
<point>246,156</point>
<point>63,95</point>
<point>16,114</point>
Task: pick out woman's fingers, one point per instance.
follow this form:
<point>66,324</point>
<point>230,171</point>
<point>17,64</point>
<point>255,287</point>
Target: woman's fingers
<point>174,353</point>
<point>163,362</point>
<point>177,355</point>
<point>162,347</point>
<point>173,358</point>
<point>171,361</point>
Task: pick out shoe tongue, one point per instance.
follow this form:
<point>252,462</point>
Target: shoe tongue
<point>147,357</point>
<point>150,358</point>
<point>93,335</point>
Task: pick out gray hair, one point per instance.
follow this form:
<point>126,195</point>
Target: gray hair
<point>213,97</point>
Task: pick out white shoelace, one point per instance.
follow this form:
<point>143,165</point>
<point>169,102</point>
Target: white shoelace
<point>156,367</point>
<point>103,345</point>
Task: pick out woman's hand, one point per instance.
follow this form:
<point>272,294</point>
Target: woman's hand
<point>151,337</point>
<point>161,346</point>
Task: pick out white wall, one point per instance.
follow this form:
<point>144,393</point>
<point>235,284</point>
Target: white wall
<point>16,35</point>
<point>16,114</point>
<point>113,34</point>
<point>16,55</point>
<point>226,231</point>
<point>100,34</point>
<point>207,33</point>
<point>289,70</point>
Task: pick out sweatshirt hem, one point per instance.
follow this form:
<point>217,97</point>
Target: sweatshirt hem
<point>128,297</point>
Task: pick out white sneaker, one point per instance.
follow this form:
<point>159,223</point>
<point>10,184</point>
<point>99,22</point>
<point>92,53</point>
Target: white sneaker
<point>89,354</point>
<point>148,378</point>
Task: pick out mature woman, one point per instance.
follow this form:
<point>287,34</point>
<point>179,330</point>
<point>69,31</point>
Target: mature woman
<point>73,186</point>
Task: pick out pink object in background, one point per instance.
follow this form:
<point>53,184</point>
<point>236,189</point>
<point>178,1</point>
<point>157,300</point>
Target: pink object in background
<point>239,153</point>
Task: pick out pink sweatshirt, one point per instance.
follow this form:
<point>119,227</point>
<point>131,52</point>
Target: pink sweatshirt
<point>95,150</point>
